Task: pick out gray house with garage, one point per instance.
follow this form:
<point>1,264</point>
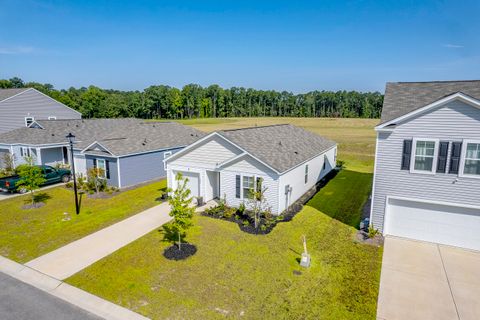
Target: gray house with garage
<point>427,165</point>
<point>130,151</point>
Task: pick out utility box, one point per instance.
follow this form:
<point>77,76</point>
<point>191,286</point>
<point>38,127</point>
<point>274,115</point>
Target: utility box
<point>305,260</point>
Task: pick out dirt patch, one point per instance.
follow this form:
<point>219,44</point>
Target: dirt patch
<point>102,195</point>
<point>33,206</point>
<point>173,253</point>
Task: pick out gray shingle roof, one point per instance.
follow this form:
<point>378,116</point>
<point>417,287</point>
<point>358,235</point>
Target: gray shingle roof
<point>119,136</point>
<point>7,93</point>
<point>404,97</point>
<point>282,147</point>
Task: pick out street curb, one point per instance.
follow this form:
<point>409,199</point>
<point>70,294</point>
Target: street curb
<point>82,299</point>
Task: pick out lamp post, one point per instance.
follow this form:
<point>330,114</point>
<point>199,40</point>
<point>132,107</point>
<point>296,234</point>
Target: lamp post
<point>71,139</point>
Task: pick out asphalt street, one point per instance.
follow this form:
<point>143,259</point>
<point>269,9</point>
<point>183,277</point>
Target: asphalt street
<point>20,301</point>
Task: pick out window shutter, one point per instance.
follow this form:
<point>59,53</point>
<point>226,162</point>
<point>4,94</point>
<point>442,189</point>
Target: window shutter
<point>95,163</point>
<point>455,157</point>
<point>107,169</point>
<point>407,152</point>
<point>237,186</point>
<point>442,157</point>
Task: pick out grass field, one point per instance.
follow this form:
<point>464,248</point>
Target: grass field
<point>355,137</point>
<point>27,234</point>
<point>238,275</point>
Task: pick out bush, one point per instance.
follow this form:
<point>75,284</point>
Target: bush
<point>228,212</point>
<point>69,185</point>
<point>340,164</point>
<point>246,223</point>
<point>372,232</point>
<point>241,209</point>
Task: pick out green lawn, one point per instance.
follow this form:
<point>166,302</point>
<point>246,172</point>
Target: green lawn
<point>27,234</point>
<point>238,275</point>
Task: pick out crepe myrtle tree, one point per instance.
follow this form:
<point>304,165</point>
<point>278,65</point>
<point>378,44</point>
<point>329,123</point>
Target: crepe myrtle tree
<point>181,209</point>
<point>31,177</point>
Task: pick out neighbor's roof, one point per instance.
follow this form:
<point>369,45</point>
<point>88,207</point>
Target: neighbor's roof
<point>119,136</point>
<point>282,147</point>
<point>7,93</point>
<point>404,97</point>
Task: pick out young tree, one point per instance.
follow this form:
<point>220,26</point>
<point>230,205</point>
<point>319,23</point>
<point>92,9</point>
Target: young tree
<point>181,209</point>
<point>95,178</point>
<point>8,163</point>
<point>31,177</point>
<point>257,202</point>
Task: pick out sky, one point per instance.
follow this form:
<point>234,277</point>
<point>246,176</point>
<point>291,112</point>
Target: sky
<point>296,46</point>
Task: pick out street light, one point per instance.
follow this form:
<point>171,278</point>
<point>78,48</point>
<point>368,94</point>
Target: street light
<point>71,139</point>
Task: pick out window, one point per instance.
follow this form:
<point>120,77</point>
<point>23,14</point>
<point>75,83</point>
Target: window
<point>425,152</point>
<point>52,118</point>
<point>306,173</point>
<point>472,159</point>
<point>102,165</point>
<point>247,186</point>
<point>25,152</point>
<point>29,121</point>
<point>165,156</point>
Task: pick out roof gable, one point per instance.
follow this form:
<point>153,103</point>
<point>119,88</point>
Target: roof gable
<point>432,106</point>
<point>8,93</point>
<point>402,98</point>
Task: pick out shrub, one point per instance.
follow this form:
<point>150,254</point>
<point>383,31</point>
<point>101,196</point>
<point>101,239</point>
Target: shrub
<point>228,212</point>
<point>340,164</point>
<point>69,185</point>
<point>263,227</point>
<point>372,232</point>
<point>246,223</point>
<point>241,209</point>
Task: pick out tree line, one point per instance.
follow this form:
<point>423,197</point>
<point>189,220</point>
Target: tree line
<point>195,101</point>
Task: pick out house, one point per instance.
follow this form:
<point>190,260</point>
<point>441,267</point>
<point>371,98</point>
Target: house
<point>427,164</point>
<point>130,151</point>
<point>20,107</point>
<point>283,161</point>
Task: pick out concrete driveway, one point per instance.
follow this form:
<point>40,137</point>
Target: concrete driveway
<point>422,280</point>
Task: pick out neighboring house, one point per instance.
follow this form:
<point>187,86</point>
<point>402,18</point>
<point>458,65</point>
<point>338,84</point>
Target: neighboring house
<point>283,160</point>
<point>21,107</point>
<point>427,165</point>
<point>130,151</point>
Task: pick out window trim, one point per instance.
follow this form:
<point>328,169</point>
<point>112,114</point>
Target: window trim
<point>243,188</point>
<point>435,156</point>
<point>463,156</point>
<point>104,168</point>
<point>26,121</point>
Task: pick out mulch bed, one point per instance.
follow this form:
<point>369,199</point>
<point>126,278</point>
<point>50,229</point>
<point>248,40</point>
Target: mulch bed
<point>362,237</point>
<point>173,253</point>
<point>286,216</point>
<point>102,195</point>
<point>33,206</point>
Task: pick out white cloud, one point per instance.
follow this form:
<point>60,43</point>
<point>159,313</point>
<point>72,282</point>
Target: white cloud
<point>452,46</point>
<point>16,50</point>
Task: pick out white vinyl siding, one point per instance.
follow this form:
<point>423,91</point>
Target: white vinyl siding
<point>454,122</point>
<point>306,173</point>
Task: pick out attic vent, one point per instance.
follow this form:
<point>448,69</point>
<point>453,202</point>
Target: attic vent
<point>76,125</point>
<point>191,134</point>
<point>296,152</point>
<point>53,134</point>
<point>280,143</point>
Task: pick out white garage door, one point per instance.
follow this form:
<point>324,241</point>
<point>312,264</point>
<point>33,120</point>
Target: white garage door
<point>193,182</point>
<point>445,224</point>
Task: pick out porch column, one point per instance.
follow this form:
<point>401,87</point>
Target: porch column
<point>39,156</point>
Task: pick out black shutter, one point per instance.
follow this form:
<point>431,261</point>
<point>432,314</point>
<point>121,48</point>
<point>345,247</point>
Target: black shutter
<point>107,168</point>
<point>455,157</point>
<point>237,187</point>
<point>95,163</point>
<point>406,154</point>
<point>442,157</point>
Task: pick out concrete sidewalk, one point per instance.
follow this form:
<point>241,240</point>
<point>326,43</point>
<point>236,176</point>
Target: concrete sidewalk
<point>75,256</point>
